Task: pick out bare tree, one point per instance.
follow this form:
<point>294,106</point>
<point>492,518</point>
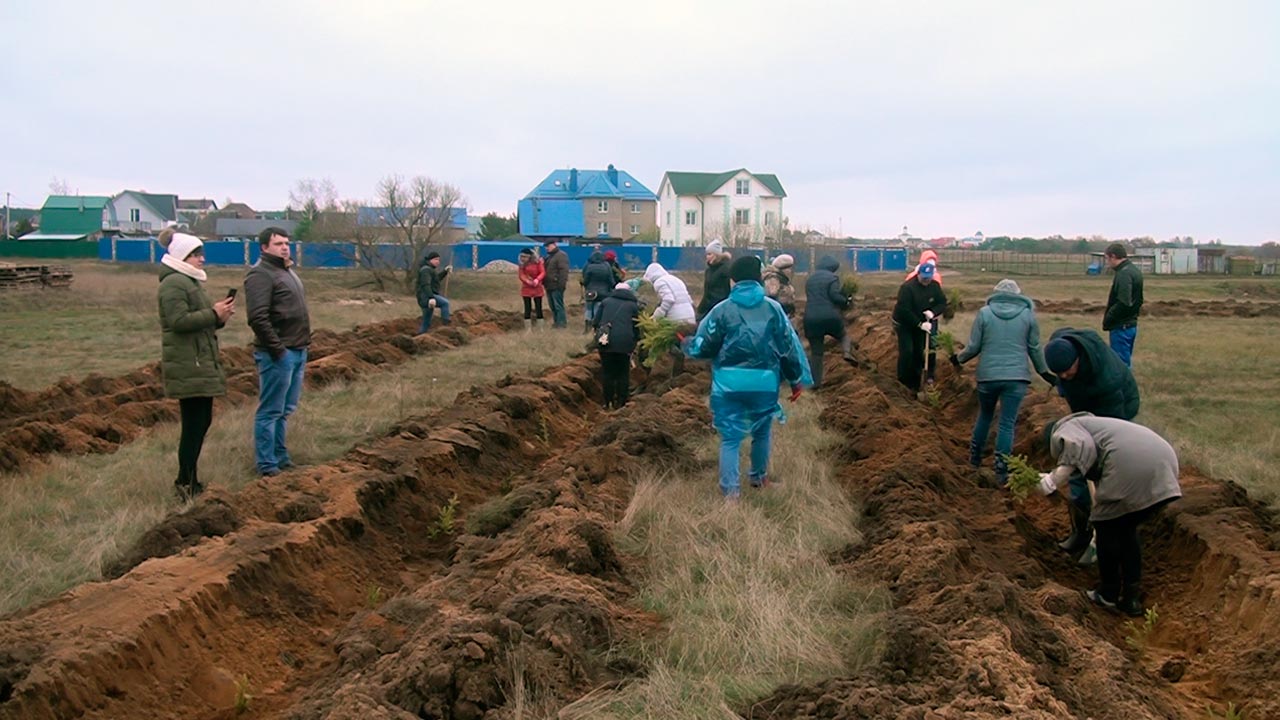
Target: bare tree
<point>310,197</point>
<point>58,186</point>
<point>410,214</point>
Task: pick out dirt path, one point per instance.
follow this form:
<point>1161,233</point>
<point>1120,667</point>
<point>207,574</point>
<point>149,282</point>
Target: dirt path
<point>988,618</point>
<point>331,592</point>
<point>99,414</point>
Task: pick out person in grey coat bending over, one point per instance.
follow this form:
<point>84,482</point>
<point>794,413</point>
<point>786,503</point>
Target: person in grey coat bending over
<point>1133,473</point>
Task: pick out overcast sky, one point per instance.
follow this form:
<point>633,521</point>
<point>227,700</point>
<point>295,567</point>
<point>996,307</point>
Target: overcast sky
<point>1019,117</point>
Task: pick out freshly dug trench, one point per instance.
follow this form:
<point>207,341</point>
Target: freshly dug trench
<point>340,593</point>
<point>99,414</point>
<point>988,618</point>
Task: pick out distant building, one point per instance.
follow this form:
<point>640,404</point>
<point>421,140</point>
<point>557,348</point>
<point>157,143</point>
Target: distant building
<point>72,217</point>
<point>598,204</point>
<point>453,229</point>
<point>133,212</point>
<point>737,207</point>
<point>242,229</point>
<point>238,210</point>
<point>16,216</point>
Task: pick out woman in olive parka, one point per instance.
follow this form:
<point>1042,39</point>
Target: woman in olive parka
<point>189,360</point>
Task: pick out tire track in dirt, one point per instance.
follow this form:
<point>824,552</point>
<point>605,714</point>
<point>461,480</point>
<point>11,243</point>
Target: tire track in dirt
<point>98,414</point>
<point>988,619</point>
<point>286,598</point>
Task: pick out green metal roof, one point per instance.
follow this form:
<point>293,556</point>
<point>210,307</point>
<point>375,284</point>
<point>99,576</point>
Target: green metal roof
<point>164,206</point>
<point>76,202</point>
<point>699,183</point>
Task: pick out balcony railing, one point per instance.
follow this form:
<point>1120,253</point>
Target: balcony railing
<point>127,226</point>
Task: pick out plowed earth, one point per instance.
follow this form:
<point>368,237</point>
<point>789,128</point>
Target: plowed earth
<point>332,593</point>
<point>99,414</point>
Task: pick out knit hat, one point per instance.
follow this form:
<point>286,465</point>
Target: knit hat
<point>1060,354</point>
<point>181,245</point>
<point>622,286</point>
<point>610,256</point>
<point>715,247</point>
<point>926,270</point>
<point>548,243</point>
<point>746,267</point>
<point>526,251</point>
<point>1008,286</point>
<point>783,261</point>
<point>431,256</point>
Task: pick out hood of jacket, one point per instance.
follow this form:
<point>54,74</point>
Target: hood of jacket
<point>747,293</point>
<point>828,263</point>
<point>653,272</point>
<point>596,257</point>
<point>624,294</point>
<point>1008,306</point>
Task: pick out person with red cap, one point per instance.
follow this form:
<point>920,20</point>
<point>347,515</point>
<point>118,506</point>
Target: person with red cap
<point>920,302</point>
<point>619,275</point>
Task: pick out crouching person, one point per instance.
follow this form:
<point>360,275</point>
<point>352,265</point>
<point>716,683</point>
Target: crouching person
<point>616,326</point>
<point>1133,473</point>
<point>752,348</point>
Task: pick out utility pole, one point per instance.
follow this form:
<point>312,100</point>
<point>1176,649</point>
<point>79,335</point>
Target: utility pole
<point>8,233</point>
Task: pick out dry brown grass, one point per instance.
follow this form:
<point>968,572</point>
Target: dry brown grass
<point>747,591</point>
<point>62,520</point>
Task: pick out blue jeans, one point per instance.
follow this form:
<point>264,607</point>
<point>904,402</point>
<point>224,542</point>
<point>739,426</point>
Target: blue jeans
<point>442,302</point>
<point>1122,340</point>
<point>736,416</point>
<point>555,298</point>
<point>1009,393</point>
<point>592,310</point>
<point>279,389</point>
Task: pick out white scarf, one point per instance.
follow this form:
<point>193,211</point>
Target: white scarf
<point>183,267</point>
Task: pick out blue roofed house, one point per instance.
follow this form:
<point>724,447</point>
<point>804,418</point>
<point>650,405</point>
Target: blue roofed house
<point>606,204</point>
<point>133,212</point>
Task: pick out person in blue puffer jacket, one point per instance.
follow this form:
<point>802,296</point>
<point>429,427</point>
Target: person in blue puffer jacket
<point>753,348</point>
<point>1005,334</point>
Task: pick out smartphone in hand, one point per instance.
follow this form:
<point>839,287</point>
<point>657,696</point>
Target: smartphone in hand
<point>231,293</point>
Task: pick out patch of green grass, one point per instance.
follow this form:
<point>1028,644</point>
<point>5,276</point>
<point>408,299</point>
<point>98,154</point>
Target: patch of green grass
<point>749,596</point>
<point>62,520</point>
<point>243,698</point>
<point>1138,634</point>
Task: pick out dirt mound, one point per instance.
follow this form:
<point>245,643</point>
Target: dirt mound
<point>988,620</point>
<point>99,414</point>
<point>1169,308</point>
<point>351,590</point>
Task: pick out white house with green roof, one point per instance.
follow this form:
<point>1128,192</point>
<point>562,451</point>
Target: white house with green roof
<point>135,212</point>
<point>737,207</point>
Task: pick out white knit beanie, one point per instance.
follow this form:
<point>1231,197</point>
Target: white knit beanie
<point>783,261</point>
<point>181,245</point>
<point>715,247</point>
<point>1008,286</point>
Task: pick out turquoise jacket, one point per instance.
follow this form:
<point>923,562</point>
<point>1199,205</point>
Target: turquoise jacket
<point>751,344</point>
<point>1006,333</point>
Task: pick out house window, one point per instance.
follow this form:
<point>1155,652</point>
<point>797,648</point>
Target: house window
<point>635,229</point>
<point>768,218</point>
<point>602,206</point>
<point>743,187</point>
<point>668,218</point>
<point>691,217</point>
<point>635,208</point>
<point>602,228</point>
<point>135,215</point>
<point>742,217</point>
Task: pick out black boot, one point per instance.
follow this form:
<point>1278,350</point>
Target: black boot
<point>1081,532</point>
<point>1002,469</point>
<point>975,454</point>
<point>815,366</point>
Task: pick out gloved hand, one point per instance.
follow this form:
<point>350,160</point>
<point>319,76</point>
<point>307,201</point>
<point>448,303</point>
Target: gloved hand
<point>926,326</point>
<point>928,314</point>
<point>796,392</point>
<point>1050,378</point>
<point>1047,485</point>
<point>955,360</point>
<point>431,303</point>
<point>448,268</point>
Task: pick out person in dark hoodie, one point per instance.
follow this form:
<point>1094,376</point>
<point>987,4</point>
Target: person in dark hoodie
<point>189,360</point>
<point>920,300</point>
<point>753,348</point>
<point>430,283</point>
<point>597,283</point>
<point>715,281</point>
<point>823,315</point>
<point>1093,379</point>
<point>1004,334</point>
<point>1124,303</point>
<point>617,331</point>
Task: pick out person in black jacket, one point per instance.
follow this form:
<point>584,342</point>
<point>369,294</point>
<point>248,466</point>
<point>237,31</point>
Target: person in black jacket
<point>920,300</point>
<point>617,330</point>
<point>715,282</point>
<point>1124,303</point>
<point>1093,379</point>
<point>277,312</point>
<point>430,282</point>
<point>825,303</point>
<point>597,282</point>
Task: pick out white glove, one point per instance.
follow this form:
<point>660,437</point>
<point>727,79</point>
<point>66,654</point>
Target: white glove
<point>1047,486</point>
<point>926,326</point>
<point>448,268</point>
<point>431,303</point>
<point>928,314</point>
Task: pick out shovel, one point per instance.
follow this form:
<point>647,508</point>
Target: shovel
<point>924,366</point>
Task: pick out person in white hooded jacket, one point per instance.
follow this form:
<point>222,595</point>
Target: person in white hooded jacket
<point>675,303</point>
